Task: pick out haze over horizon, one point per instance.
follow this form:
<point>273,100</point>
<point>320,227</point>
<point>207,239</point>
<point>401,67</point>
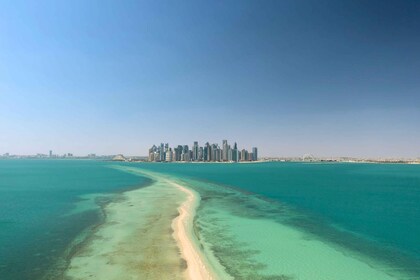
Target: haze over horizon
<point>330,78</point>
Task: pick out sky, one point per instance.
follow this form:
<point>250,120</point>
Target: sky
<point>292,77</point>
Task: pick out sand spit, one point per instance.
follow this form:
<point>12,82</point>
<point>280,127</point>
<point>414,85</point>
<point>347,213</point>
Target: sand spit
<point>146,235</point>
<point>182,226</point>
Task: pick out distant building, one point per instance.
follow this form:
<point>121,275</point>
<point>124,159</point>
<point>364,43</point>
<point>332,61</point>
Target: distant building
<point>162,152</point>
<point>178,153</point>
<point>195,151</point>
<point>235,153</point>
<point>50,154</point>
<point>186,153</point>
<point>244,155</point>
<point>169,155</point>
<point>225,150</point>
<point>207,152</point>
<point>152,153</point>
<point>254,154</point>
<point>119,158</point>
<point>200,153</point>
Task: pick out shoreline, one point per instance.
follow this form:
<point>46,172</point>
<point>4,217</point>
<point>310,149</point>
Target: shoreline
<point>182,225</point>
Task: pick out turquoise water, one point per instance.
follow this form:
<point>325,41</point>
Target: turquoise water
<point>371,211</point>
<point>45,204</point>
<point>261,221</point>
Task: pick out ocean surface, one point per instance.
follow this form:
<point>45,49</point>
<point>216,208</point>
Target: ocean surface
<point>260,221</point>
<point>46,205</point>
<point>368,211</point>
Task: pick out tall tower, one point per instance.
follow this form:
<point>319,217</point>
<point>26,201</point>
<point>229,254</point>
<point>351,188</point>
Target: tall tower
<point>152,152</point>
<point>162,152</point>
<point>254,154</point>
<point>235,153</point>
<point>195,151</point>
<point>225,151</point>
<point>186,153</point>
<point>169,155</point>
<point>200,153</point>
<point>208,155</point>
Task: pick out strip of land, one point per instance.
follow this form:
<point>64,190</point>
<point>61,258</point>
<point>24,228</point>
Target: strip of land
<point>182,226</point>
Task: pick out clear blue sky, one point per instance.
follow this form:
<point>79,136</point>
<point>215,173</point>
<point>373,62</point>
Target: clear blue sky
<point>291,77</point>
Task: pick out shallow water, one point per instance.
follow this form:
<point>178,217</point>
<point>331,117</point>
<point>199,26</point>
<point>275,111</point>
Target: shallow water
<point>329,213</point>
<point>45,205</point>
<point>135,241</point>
<point>258,221</point>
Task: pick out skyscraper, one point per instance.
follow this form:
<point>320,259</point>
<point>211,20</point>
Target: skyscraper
<point>161,152</point>
<point>152,152</point>
<point>229,151</point>
<point>169,155</point>
<point>235,153</point>
<point>225,150</point>
<point>209,151</point>
<point>244,155</point>
<point>200,153</point>
<point>215,152</point>
<point>195,151</point>
<point>206,151</point>
<point>178,153</point>
<point>254,154</point>
<point>185,153</point>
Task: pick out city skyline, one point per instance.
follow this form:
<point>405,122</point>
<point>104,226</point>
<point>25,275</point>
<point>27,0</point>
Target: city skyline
<point>206,153</point>
<point>330,78</point>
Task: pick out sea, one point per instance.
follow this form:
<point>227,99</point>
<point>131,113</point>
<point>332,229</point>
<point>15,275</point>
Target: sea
<point>274,220</point>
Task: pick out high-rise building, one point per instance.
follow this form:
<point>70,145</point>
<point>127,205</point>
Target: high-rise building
<point>162,152</point>
<point>200,154</point>
<point>207,152</point>
<point>215,153</point>
<point>169,155</point>
<point>186,153</point>
<point>254,154</point>
<point>235,153</point>
<point>178,153</point>
<point>219,153</point>
<point>51,153</point>
<point>157,156</point>
<point>244,155</point>
<point>152,152</point>
<point>229,154</point>
<point>195,151</point>
<point>225,150</point>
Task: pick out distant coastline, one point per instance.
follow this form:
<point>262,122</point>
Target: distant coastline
<point>122,158</point>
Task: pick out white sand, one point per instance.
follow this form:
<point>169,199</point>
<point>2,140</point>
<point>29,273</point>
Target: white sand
<point>182,226</point>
